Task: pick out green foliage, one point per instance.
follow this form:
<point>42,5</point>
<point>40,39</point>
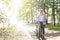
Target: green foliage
<point>52,27</point>
<point>6,33</point>
<point>7,2</point>
<point>29,9</point>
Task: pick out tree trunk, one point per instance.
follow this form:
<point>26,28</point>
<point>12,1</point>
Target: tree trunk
<point>53,13</point>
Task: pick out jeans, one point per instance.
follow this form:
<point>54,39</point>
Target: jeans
<point>42,26</point>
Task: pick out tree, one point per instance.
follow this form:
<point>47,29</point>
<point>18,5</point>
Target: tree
<point>29,8</point>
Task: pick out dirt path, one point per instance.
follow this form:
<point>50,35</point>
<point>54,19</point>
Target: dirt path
<point>29,32</point>
<point>49,34</point>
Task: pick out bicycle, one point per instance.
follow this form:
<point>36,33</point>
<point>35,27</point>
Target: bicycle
<point>39,32</point>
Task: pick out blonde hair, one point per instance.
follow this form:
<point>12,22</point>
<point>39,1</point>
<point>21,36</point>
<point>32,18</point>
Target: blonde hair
<point>41,10</point>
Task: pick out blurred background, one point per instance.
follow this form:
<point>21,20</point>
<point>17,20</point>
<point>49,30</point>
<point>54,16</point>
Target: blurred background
<point>16,13</point>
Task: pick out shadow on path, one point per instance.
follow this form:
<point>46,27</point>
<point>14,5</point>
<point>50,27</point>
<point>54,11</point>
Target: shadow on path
<point>52,34</point>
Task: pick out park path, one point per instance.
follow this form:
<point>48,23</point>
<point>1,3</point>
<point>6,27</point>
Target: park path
<point>49,34</point>
<point>29,32</point>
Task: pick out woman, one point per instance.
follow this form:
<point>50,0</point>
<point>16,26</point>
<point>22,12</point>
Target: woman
<point>42,20</point>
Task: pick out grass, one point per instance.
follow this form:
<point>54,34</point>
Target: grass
<point>11,33</point>
<point>52,27</point>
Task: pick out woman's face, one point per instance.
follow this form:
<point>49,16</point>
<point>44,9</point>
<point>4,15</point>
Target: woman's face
<point>41,12</point>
